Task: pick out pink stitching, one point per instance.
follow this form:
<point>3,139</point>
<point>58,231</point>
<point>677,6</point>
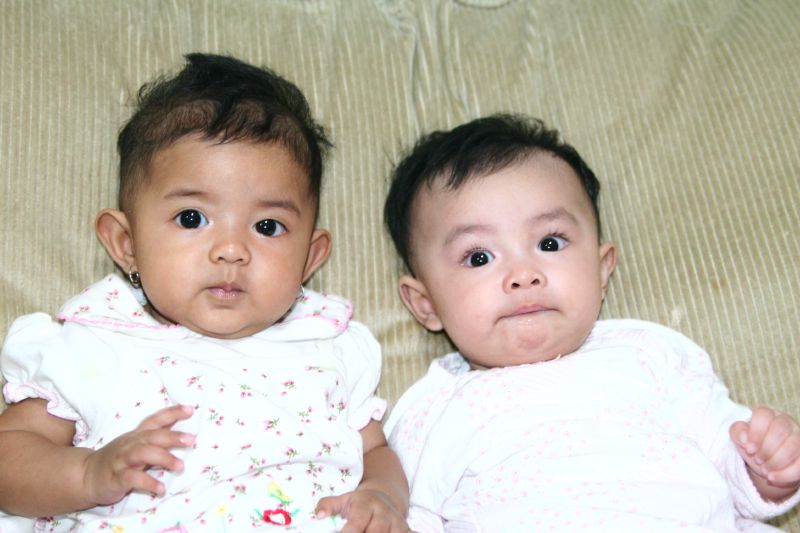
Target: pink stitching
<point>338,324</point>
<point>114,323</point>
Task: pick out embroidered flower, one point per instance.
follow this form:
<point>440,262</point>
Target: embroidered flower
<point>175,529</point>
<point>275,491</point>
<point>278,517</point>
<point>221,509</point>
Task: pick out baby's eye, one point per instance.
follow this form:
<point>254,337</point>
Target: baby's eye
<point>191,219</point>
<point>479,258</point>
<point>551,243</point>
<point>270,227</point>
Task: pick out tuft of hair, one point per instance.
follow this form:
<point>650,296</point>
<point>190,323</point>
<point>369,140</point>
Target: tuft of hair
<point>223,99</point>
<point>473,150</point>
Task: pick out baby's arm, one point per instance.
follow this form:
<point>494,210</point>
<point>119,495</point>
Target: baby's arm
<point>43,474</point>
<point>770,445</point>
<point>380,502</point>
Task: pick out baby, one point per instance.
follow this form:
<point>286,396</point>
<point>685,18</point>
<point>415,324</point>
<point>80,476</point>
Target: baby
<point>546,419</point>
<point>205,390</point>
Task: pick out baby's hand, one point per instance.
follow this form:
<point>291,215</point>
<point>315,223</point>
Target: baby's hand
<point>366,511</point>
<point>770,444</point>
<point>120,466</point>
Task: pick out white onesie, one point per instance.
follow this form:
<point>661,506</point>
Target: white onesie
<point>628,434</point>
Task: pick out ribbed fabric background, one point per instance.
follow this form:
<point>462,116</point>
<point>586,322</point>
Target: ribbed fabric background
<point>686,109</point>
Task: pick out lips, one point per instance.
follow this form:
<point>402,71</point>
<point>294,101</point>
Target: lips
<point>226,291</point>
<point>529,309</point>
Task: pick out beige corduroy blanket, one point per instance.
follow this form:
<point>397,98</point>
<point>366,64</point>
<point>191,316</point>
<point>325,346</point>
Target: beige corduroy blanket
<point>686,109</point>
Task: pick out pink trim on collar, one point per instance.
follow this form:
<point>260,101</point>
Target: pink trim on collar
<point>116,324</point>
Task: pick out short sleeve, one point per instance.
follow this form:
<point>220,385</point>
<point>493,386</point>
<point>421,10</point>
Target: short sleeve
<point>359,357</point>
<point>32,354</point>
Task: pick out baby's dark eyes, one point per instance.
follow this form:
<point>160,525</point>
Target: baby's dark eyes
<point>191,219</point>
<point>270,227</point>
<point>551,243</point>
<point>478,258</point>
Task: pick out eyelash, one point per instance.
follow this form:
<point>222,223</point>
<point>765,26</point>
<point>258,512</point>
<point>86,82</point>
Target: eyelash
<point>556,234</point>
<point>475,249</point>
<point>471,251</point>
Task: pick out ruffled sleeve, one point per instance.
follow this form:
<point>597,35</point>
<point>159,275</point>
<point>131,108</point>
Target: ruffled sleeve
<point>359,357</point>
<point>31,360</point>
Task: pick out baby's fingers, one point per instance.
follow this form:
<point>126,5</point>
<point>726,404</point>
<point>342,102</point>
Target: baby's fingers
<point>788,477</point>
<point>151,456</point>
<point>168,439</point>
<point>166,418</point>
<point>781,445</point>
<point>332,505</point>
<point>140,481</point>
<point>739,435</point>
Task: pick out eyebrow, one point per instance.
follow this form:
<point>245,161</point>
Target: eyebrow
<point>287,205</point>
<point>559,213</point>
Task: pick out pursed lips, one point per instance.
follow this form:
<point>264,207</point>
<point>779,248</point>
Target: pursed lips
<point>525,310</point>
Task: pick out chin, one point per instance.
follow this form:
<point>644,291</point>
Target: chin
<point>221,332</point>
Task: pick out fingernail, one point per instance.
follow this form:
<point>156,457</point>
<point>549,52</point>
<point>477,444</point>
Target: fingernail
<point>187,439</point>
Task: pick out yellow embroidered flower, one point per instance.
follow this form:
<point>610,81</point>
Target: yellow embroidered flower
<point>221,509</point>
<point>276,492</point>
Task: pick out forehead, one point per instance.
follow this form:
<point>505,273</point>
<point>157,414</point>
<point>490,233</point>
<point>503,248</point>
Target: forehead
<point>194,161</point>
<point>541,181</point>
<point>240,176</point>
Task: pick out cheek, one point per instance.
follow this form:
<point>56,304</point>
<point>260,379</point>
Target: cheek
<point>467,310</point>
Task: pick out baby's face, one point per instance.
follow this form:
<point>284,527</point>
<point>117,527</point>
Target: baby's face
<point>221,235</point>
<point>511,263</point>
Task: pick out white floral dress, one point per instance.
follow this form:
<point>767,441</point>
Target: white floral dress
<point>277,415</point>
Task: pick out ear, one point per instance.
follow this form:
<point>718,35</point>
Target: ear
<point>318,251</point>
<point>415,296</point>
<point>114,232</point>
<point>608,262</point>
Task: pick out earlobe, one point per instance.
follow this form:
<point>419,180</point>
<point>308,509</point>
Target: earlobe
<point>415,297</point>
<point>318,251</point>
<point>608,262</point>
<point>114,232</point>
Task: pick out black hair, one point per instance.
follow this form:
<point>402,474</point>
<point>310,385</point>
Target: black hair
<point>223,99</point>
<point>472,150</point>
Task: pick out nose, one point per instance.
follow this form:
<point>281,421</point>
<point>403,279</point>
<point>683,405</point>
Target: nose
<point>524,276</point>
<point>230,247</point>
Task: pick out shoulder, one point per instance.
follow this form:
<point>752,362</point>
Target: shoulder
<point>356,346</point>
<point>637,332</point>
<point>315,316</point>
<point>442,373</point>
<point>31,331</point>
<point>659,347</point>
